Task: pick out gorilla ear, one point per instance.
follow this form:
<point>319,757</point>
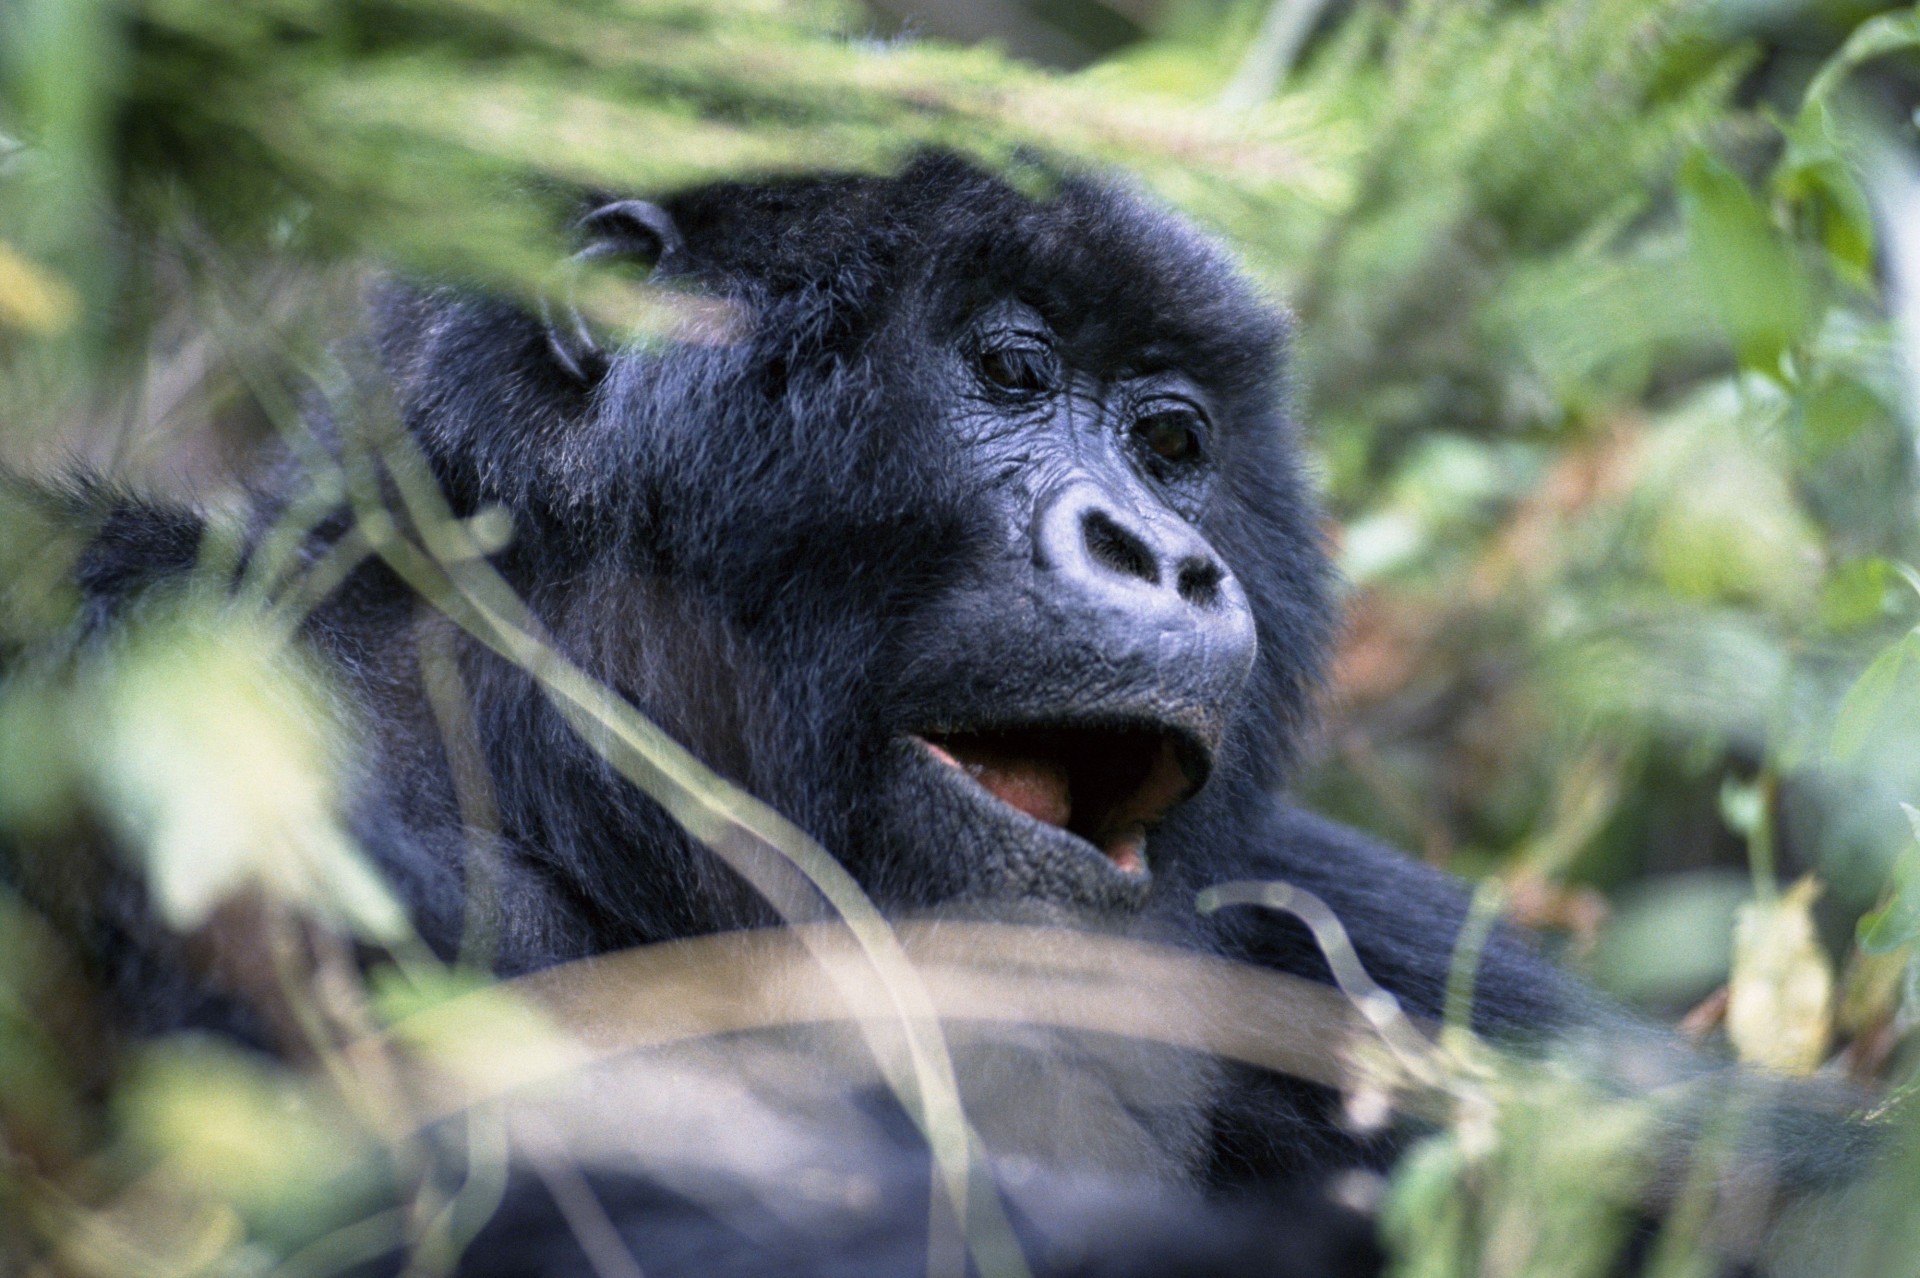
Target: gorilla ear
<point>628,232</point>
<point>630,229</point>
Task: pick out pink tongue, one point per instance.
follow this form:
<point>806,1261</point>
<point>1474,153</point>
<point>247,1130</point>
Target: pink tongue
<point>1036,787</point>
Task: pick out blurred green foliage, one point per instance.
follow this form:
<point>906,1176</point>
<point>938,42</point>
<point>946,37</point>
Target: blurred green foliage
<point>1608,344</point>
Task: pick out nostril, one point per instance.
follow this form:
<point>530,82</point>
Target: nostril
<point>1199,582</point>
<point>1116,549</point>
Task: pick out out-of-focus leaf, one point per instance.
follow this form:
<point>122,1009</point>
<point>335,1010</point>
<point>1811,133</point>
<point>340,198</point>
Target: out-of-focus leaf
<point>1513,1188</point>
<point>1907,573</point>
<point>1743,807</point>
<point>1894,926</point>
<point>1668,940</point>
<point>40,1106</point>
<point>1727,524</point>
<point>1871,988</point>
<point>41,767</point>
<point>1887,33</point>
<point>38,548</point>
<point>1872,694</point>
<point>1688,672</point>
<point>211,750</point>
<point>484,1038</point>
<point>158,1229</point>
<point>1450,482</point>
<point>1596,323</point>
<point>1425,1214</point>
<point>1568,1191</point>
<point>1855,595</point>
<point>1380,544</point>
<point>1897,922</point>
<point>33,298</point>
<point>1780,991</point>
<point>1816,173</point>
<point>1752,273</point>
<point>240,1129</point>
<point>1834,412</point>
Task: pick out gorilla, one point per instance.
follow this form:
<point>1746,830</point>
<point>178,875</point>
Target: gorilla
<point>968,529</point>
<point>982,552</point>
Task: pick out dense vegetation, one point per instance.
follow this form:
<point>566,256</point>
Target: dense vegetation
<point>1609,343</point>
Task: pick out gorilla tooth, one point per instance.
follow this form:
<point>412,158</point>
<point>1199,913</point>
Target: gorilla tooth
<point>1127,849</point>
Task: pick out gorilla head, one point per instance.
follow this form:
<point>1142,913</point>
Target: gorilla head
<point>973,540</point>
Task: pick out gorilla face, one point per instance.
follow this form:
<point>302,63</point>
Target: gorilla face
<point>1074,689</point>
<point>976,545</point>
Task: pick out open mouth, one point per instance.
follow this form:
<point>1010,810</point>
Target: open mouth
<point>1108,786</point>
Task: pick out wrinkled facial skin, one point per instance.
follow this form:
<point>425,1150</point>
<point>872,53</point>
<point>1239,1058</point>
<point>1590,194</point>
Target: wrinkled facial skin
<point>1076,686</point>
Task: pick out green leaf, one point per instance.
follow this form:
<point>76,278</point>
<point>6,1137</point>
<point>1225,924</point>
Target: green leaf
<point>1897,922</point>
<point>1724,521</point>
<point>1866,700</point>
<point>1819,175</point>
<point>1907,574</point>
<point>245,1130</point>
<point>1884,929</point>
<point>1426,1210</point>
<point>1754,278</point>
<point>1855,595</point>
<point>1834,413</point>
<point>1888,33</point>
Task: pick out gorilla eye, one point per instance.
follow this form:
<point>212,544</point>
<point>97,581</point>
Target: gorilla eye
<point>1172,432</point>
<point>1020,367</point>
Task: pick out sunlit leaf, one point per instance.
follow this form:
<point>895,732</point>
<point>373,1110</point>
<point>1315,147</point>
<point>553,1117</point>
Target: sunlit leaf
<point>1727,524</point>
<point>213,751</point>
<point>32,298</point>
<point>485,1039</point>
<point>240,1128</point>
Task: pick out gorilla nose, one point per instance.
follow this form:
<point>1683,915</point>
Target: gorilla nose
<point>1158,573</point>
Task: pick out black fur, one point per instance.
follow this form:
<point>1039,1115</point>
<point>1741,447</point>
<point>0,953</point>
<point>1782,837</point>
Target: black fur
<point>788,542</point>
